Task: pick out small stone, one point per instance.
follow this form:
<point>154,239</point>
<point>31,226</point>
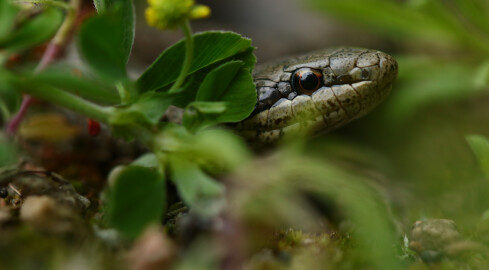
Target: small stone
<point>37,209</point>
<point>3,192</point>
<point>5,216</point>
<point>434,234</point>
<point>153,250</point>
<point>308,241</point>
<point>432,238</point>
<point>430,256</point>
<point>43,213</point>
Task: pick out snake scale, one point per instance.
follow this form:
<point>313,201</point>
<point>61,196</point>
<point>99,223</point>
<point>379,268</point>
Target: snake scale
<point>317,92</point>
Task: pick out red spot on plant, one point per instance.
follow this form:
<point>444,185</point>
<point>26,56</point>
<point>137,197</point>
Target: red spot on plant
<point>93,127</point>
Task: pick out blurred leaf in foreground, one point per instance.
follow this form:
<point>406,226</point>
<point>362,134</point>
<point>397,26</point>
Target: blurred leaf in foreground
<point>197,189</point>
<point>276,196</point>
<point>480,147</point>
<point>7,153</point>
<point>136,199</point>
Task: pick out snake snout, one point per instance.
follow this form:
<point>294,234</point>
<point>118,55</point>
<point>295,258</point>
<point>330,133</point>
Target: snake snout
<point>388,69</point>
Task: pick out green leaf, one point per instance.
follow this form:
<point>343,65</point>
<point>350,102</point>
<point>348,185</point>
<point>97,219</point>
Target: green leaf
<point>148,160</point>
<point>480,147</point>
<point>218,151</point>
<point>33,31</point>
<point>217,81</point>
<point>230,87</point>
<point>189,91</point>
<point>147,109</point>
<point>210,48</point>
<point>202,193</point>
<point>233,84</point>
<point>105,44</point>
<point>136,200</point>
<point>206,107</point>
<point>200,114</point>
<point>8,13</point>
<point>124,9</point>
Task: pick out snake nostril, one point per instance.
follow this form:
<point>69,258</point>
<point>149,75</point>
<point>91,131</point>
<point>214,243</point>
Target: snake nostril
<point>365,74</point>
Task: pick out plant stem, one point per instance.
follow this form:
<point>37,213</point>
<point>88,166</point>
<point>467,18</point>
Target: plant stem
<point>62,35</point>
<point>123,93</point>
<point>54,47</point>
<point>189,51</point>
<point>14,123</point>
<point>68,101</point>
<point>52,3</point>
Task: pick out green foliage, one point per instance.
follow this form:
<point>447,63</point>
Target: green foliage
<point>30,32</point>
<point>136,199</point>
<point>448,42</point>
<point>210,48</point>
<point>7,18</point>
<point>106,40</point>
<point>138,116</point>
<point>100,44</point>
<point>124,11</point>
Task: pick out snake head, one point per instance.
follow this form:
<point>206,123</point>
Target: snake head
<point>318,92</point>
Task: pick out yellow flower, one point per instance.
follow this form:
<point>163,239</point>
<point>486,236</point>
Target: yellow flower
<point>168,14</point>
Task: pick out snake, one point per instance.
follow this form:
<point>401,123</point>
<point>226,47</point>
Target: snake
<point>317,92</point>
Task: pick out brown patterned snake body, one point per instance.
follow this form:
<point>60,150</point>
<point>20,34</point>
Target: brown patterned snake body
<point>317,92</point>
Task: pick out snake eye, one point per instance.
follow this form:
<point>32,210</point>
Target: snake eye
<point>307,80</point>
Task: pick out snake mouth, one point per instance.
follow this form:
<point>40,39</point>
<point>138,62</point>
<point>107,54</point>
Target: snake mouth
<point>327,108</point>
<point>352,85</point>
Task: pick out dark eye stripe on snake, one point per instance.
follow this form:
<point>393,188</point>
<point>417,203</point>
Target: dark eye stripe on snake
<point>317,92</point>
